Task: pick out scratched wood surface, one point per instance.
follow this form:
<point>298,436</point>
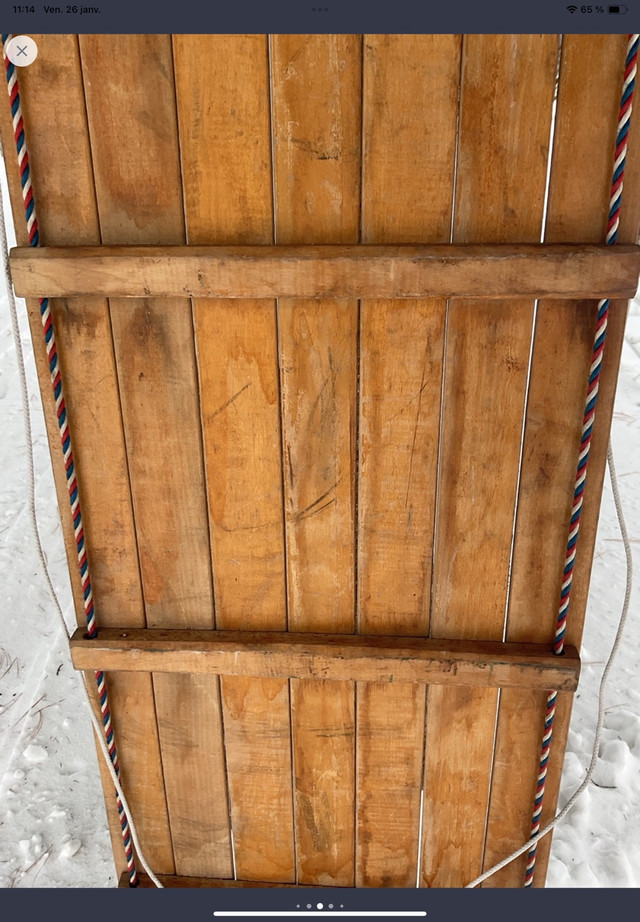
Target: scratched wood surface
<point>335,657</point>
<point>316,91</point>
<point>483,401</point>
<point>54,111</point>
<point>139,198</point>
<point>327,465</point>
<point>329,271</point>
<point>410,94</point>
<point>590,82</point>
<point>223,103</point>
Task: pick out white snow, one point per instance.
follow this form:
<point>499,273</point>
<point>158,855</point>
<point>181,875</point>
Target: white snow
<point>70,847</point>
<point>35,754</point>
<point>53,828</point>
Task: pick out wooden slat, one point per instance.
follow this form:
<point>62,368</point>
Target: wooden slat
<point>374,658</point>
<point>318,349</point>
<point>316,160</point>
<point>589,93</point>
<point>139,200</point>
<point>506,97</point>
<point>57,134</point>
<point>410,98</point>
<point>223,105</point>
<point>490,272</point>
<point>173,881</point>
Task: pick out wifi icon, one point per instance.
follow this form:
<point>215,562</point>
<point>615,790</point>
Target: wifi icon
<point>572,9</point>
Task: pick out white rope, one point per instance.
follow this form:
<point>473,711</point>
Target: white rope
<point>116,782</point>
<point>614,649</point>
<point>31,491</point>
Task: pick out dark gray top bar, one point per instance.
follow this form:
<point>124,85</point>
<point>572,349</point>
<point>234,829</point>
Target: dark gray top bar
<point>297,16</point>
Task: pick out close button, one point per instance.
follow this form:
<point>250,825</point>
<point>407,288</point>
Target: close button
<point>22,50</point>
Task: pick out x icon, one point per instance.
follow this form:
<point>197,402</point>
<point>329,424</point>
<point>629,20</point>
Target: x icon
<point>22,50</point>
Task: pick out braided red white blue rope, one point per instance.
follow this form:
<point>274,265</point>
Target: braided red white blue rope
<point>65,438</point>
<point>626,103</point>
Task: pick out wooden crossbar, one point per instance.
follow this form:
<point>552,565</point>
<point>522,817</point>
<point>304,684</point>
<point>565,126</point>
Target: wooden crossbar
<point>172,880</point>
<point>358,271</point>
<point>341,657</point>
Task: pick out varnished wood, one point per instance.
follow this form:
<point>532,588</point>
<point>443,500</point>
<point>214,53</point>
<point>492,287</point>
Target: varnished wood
<point>373,658</point>
<point>324,271</point>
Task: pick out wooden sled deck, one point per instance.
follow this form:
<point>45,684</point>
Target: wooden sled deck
<point>325,341</point>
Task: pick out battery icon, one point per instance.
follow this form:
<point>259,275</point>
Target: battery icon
<point>618,9</point>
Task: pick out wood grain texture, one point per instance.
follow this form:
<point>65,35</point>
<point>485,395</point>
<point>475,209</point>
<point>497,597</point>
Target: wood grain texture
<point>83,336</point>
<point>390,727</point>
<point>258,745</point>
<point>590,82</point>
<point>238,368</point>
<point>316,87</point>
<point>400,383</point>
<point>410,101</point>
<point>158,389</point>
<point>318,352</point>
<point>173,881</point>
<point>410,94</point>
<point>373,658</point>
<point>223,99</point>
<point>329,271</point>
<point>222,86</point>
<point>139,200</point>
<point>323,725</point>
<point>316,105</point>
<point>57,134</point>
<point>506,98</point>
<point>196,794</point>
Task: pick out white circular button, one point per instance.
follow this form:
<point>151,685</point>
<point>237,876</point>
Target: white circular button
<point>22,50</point>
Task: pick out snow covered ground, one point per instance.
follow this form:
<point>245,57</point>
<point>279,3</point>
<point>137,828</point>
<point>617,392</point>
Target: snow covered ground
<point>53,830</point>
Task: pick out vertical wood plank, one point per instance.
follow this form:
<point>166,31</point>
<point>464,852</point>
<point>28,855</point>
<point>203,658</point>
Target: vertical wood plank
<point>223,103</point>
<point>410,102</point>
<point>318,347</point>
<point>390,734</point>
<point>316,99</point>
<point>57,134</point>
<point>588,99</point>
<point>506,96</point>
<point>139,200</point>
